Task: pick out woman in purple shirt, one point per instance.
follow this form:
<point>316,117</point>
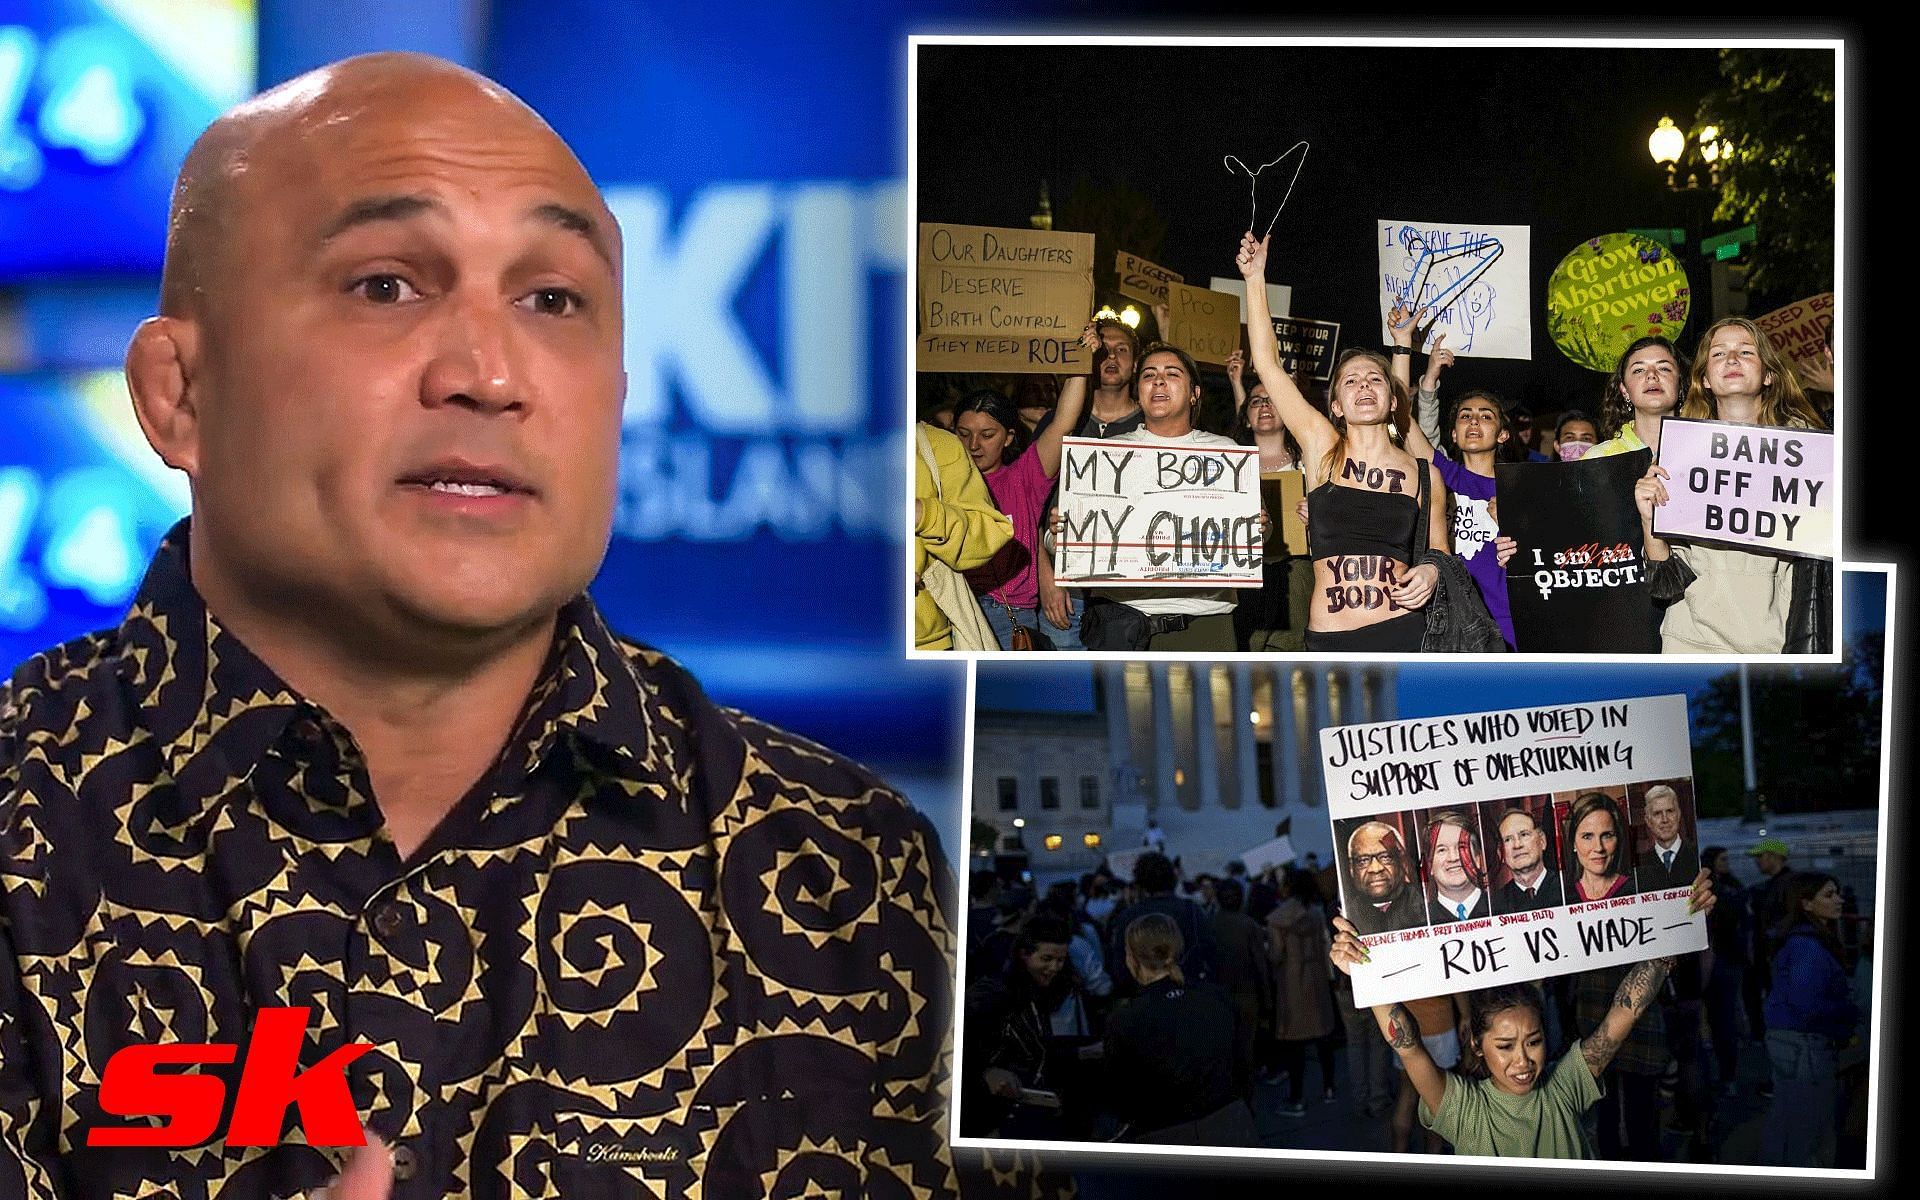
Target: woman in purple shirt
<point>1478,436</point>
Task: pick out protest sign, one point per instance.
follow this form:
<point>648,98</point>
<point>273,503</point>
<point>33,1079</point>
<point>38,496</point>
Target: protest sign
<point>1471,278</point>
<point>1747,486</point>
<point>1309,343</point>
<point>1611,291</point>
<point>1139,514</point>
<point>1275,853</point>
<point>1420,812</point>
<point>1010,301</point>
<point>1800,330</point>
<point>1279,295</point>
<point>1578,581</point>
<point>1280,494</point>
<point>1142,280</point>
<point>1205,324</point>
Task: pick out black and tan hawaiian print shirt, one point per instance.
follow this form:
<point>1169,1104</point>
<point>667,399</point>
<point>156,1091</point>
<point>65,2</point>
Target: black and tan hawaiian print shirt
<point>659,949</point>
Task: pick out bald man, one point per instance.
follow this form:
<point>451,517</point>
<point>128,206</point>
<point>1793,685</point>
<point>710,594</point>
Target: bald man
<point>1382,896</point>
<point>364,747</point>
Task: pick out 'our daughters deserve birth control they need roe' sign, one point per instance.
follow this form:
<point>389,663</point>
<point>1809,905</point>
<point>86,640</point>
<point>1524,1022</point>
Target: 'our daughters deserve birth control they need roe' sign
<point>1007,301</point>
<point>1137,514</point>
<point>1500,847</point>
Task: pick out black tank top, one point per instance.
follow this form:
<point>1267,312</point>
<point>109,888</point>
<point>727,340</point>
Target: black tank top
<point>1345,520</point>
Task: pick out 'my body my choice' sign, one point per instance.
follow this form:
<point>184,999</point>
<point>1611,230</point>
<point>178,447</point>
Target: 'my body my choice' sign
<point>1748,486</point>
<point>1142,515</point>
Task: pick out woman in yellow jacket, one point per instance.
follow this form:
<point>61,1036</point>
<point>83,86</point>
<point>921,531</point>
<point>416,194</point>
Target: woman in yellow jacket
<point>954,522</point>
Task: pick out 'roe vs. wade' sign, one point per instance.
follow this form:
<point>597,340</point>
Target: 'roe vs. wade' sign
<point>1136,514</point>
<point>1748,486</point>
<point>1418,809</point>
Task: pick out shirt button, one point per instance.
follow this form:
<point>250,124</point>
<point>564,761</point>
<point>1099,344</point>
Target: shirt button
<point>387,919</point>
<point>405,1163</point>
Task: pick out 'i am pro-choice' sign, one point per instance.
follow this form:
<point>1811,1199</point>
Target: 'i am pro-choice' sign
<point>1752,487</point>
<point>1137,514</point>
<point>1499,847</point>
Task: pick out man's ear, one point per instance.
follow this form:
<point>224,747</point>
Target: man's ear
<point>162,364</point>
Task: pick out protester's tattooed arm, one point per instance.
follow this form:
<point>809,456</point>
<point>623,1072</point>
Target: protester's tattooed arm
<point>1633,997</point>
<point>1403,1032</point>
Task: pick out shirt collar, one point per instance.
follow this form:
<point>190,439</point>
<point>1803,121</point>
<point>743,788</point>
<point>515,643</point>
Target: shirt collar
<point>215,708</point>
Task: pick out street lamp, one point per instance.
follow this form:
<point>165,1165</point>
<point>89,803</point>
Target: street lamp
<point>1668,145</point>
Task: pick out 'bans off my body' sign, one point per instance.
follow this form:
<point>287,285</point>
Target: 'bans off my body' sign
<point>1143,515</point>
<point>1751,487</point>
<point>1500,847</point>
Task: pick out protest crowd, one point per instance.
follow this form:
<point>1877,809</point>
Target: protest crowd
<point>1404,545</point>
<point>1215,1011</point>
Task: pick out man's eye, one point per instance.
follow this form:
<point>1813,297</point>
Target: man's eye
<point>554,301</point>
<point>383,289</point>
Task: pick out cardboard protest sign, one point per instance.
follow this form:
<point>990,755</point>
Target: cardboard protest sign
<point>1275,853</point>
<point>1205,324</point>
<point>1309,343</point>
<point>1003,300</point>
<point>1500,847</point>
<point>1747,486</point>
<point>1280,494</point>
<point>1279,295</point>
<point>1611,291</point>
<point>1578,582</point>
<point>1139,514</point>
<point>1800,330</point>
<point>1142,280</point>
<point>1474,277</point>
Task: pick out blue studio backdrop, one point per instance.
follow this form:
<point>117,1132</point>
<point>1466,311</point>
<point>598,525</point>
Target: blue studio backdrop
<point>755,158</point>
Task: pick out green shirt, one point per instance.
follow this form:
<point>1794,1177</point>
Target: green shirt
<point>1478,1118</point>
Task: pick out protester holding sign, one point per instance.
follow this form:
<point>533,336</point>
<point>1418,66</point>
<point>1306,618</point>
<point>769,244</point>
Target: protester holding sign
<point>1476,437</point>
<point>1368,497</point>
<point>1725,600</point>
<point>1521,1109</point>
<point>990,428</point>
<point>1275,618</point>
<point>1167,386</point>
<point>1111,412</point>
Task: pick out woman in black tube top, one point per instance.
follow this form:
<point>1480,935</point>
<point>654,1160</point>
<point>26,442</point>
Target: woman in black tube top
<point>1363,498</point>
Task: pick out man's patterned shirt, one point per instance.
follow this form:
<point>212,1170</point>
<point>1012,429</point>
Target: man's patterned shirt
<point>659,949</point>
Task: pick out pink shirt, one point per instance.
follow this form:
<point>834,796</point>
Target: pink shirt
<point>1020,489</point>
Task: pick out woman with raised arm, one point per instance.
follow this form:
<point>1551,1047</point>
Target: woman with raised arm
<point>1736,601</point>
<point>1522,1108</point>
<point>1367,497</point>
<point>992,430</point>
<point>1478,435</point>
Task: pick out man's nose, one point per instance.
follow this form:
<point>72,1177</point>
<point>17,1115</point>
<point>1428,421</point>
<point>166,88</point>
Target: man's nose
<point>476,364</point>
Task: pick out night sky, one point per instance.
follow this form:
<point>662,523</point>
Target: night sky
<point>1552,138</point>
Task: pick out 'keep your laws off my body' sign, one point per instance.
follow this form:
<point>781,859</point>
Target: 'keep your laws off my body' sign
<point>1505,846</point>
<point>1138,514</point>
<point>1751,487</point>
